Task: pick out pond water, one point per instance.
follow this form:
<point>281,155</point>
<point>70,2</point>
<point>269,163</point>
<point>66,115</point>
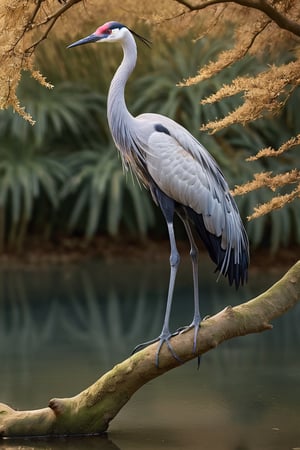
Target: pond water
<point>61,327</point>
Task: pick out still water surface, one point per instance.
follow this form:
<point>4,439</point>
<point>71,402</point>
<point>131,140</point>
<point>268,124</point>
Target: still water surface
<point>62,327</point>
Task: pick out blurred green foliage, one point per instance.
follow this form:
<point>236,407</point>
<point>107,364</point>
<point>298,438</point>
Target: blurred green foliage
<point>64,174</point>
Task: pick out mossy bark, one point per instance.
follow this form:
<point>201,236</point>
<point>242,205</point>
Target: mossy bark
<point>91,411</point>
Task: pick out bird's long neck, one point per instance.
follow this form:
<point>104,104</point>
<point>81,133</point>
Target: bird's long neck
<point>119,118</point>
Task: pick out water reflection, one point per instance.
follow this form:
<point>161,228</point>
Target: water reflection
<point>61,327</point>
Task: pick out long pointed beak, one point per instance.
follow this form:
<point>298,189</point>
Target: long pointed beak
<point>86,40</point>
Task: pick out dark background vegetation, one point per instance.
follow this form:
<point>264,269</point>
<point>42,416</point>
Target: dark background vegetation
<point>63,176</point>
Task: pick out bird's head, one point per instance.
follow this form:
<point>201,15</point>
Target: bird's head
<point>109,32</point>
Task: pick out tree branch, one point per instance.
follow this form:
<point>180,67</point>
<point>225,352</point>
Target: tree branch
<point>280,19</point>
<point>52,19</point>
<point>90,411</point>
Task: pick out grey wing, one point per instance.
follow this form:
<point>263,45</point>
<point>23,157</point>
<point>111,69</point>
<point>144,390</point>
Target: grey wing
<point>190,181</point>
<point>184,170</point>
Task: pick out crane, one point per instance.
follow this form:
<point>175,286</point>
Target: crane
<point>183,178</point>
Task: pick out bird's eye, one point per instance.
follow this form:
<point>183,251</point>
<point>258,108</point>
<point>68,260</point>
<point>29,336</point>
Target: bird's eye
<point>114,30</point>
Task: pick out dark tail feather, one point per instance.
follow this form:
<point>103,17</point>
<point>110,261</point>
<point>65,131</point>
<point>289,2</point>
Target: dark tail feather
<point>237,273</point>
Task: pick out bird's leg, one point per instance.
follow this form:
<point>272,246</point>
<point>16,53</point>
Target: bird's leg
<point>168,208</point>
<point>165,334</point>
<point>194,257</point>
<point>174,263</point>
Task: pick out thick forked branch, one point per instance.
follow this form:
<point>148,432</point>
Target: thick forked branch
<point>281,19</point>
<point>91,410</point>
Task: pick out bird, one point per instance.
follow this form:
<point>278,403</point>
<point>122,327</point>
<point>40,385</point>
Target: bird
<point>182,177</point>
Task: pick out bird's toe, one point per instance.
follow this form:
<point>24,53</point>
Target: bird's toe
<point>196,323</point>
<point>143,345</point>
<point>164,338</point>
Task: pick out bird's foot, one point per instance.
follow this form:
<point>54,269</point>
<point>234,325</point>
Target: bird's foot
<point>164,337</point>
<point>196,325</point>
